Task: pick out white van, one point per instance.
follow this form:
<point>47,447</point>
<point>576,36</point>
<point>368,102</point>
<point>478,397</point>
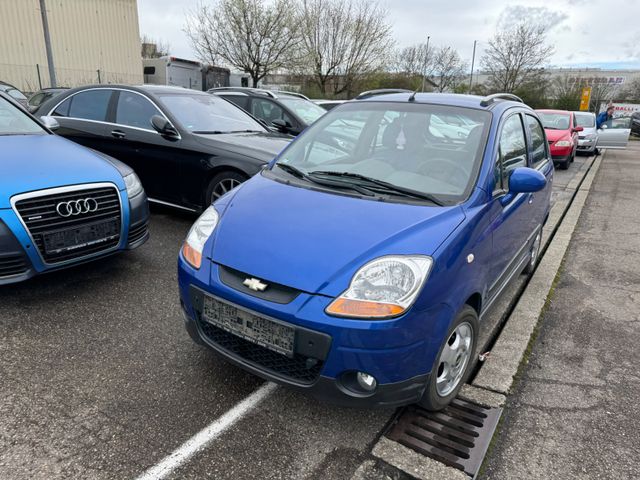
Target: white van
<point>173,71</point>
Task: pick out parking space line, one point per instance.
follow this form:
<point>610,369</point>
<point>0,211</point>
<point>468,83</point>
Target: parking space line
<point>208,434</point>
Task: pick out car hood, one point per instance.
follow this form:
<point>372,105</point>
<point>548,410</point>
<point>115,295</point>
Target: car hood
<point>315,241</point>
<point>555,135</point>
<point>263,146</point>
<point>35,162</point>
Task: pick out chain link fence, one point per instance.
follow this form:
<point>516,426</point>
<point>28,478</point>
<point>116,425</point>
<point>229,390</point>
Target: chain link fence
<point>31,78</point>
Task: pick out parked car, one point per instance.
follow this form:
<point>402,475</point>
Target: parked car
<point>614,133</point>
<point>635,124</point>
<point>366,274</point>
<point>188,147</point>
<point>588,137</point>
<point>60,204</point>
<point>14,93</point>
<point>289,112</point>
<point>562,131</point>
<point>329,104</point>
<point>42,96</point>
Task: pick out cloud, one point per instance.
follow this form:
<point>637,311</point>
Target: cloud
<point>543,16</point>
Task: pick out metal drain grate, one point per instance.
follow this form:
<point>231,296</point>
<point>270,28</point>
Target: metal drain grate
<point>458,436</point>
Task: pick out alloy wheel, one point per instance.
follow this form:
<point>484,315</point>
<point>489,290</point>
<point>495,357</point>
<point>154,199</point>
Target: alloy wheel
<point>224,186</point>
<point>454,359</point>
<point>535,250</point>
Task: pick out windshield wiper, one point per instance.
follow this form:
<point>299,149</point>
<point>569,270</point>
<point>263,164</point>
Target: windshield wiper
<point>382,185</point>
<point>208,132</point>
<point>324,182</point>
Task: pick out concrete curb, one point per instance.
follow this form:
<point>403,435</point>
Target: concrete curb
<point>416,465</point>
<point>499,371</point>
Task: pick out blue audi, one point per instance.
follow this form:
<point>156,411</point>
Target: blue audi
<point>60,203</point>
<point>360,265</point>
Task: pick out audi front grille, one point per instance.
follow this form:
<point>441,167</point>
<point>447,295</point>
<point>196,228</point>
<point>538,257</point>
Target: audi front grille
<point>71,223</point>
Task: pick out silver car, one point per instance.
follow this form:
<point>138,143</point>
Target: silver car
<point>588,138</point>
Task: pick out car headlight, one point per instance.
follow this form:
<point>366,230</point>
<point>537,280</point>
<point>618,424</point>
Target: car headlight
<point>563,143</point>
<point>591,136</point>
<point>383,288</point>
<point>134,187</point>
<point>198,236</point>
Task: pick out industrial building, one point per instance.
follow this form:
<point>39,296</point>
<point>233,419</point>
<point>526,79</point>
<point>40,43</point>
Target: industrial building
<point>91,41</point>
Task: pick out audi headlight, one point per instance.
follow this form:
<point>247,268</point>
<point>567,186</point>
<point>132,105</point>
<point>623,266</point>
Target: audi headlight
<point>383,288</point>
<point>563,143</point>
<point>134,187</point>
<point>198,236</point>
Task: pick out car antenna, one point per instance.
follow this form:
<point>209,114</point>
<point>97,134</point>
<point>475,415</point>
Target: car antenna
<point>412,98</point>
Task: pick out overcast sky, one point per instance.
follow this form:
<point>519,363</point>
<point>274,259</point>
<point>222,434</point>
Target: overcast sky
<point>594,33</point>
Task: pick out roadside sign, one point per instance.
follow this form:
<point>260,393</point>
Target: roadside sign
<point>585,98</point>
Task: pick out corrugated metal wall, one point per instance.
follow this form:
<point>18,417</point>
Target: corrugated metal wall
<point>86,36</point>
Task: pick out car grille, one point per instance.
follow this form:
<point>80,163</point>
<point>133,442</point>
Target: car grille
<point>13,265</point>
<point>41,218</point>
<point>299,368</point>
<point>137,233</point>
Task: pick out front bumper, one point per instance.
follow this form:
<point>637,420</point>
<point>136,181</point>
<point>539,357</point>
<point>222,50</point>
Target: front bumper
<point>398,352</point>
<point>19,259</point>
<point>587,144</point>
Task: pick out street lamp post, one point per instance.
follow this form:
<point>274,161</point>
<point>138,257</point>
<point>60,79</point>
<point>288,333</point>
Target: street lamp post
<point>473,61</point>
<point>47,43</point>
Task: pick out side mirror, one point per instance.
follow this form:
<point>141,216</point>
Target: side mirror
<point>578,129</point>
<point>50,122</point>
<point>604,126</point>
<point>163,126</point>
<point>526,180</point>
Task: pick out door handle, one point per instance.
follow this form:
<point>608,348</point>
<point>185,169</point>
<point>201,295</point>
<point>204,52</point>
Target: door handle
<point>118,134</point>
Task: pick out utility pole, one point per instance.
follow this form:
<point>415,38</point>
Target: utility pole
<point>473,61</point>
<point>47,43</point>
<point>426,59</point>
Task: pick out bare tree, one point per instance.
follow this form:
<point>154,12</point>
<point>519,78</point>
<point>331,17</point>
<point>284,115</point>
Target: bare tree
<point>415,60</point>
<point>631,91</point>
<point>516,56</point>
<point>153,48</point>
<point>448,69</point>
<point>601,92</point>
<point>566,93</point>
<point>254,36</point>
<point>342,41</point>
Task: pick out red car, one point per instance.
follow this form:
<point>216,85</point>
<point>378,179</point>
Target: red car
<point>562,133</point>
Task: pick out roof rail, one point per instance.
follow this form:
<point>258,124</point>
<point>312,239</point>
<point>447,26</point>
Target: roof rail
<point>489,99</point>
<point>269,93</point>
<point>381,91</point>
<point>295,94</point>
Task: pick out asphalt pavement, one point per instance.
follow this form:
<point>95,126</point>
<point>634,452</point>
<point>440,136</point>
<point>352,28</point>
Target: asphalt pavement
<point>575,410</point>
<point>99,380</point>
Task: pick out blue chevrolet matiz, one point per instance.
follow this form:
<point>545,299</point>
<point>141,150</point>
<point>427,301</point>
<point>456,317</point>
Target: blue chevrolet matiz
<point>60,203</point>
<point>360,264</point>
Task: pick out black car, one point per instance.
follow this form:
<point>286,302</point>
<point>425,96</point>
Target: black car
<point>42,96</point>
<point>289,112</point>
<point>187,147</point>
<point>635,124</point>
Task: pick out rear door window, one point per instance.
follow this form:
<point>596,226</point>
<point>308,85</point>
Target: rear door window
<point>88,105</point>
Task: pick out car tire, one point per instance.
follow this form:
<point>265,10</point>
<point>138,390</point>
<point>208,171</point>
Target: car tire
<point>565,165</point>
<point>221,184</point>
<point>534,253</point>
<point>463,332</point>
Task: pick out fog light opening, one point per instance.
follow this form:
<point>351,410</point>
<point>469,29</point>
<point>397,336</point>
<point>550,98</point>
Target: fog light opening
<point>367,382</point>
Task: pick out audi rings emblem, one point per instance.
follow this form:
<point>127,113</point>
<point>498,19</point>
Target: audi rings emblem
<point>77,207</point>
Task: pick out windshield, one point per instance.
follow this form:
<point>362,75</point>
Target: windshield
<point>585,120</point>
<point>396,143</point>
<point>554,121</point>
<point>14,121</point>
<point>209,114</point>
<point>308,111</point>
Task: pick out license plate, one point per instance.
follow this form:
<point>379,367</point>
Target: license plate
<point>80,237</point>
<point>261,331</point>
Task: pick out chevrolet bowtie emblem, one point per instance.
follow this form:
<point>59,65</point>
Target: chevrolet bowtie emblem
<point>255,284</point>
